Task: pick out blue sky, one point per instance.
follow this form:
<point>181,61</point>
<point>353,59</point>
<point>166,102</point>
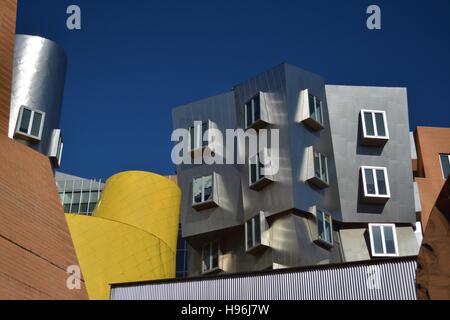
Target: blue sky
<point>134,60</point>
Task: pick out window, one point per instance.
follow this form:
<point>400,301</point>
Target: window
<point>253,232</point>
<point>196,134</point>
<point>374,124</point>
<point>321,166</point>
<point>82,202</point>
<point>56,148</point>
<point>30,123</point>
<point>324,227</point>
<point>383,240</point>
<point>445,164</point>
<point>203,189</point>
<point>255,169</point>
<point>375,182</point>
<point>315,109</point>
<point>252,111</point>
<point>210,257</point>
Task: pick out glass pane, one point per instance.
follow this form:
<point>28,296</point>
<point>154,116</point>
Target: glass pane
<point>253,171</point>
<point>205,258</point>
<point>257,223</point>
<point>377,240</point>
<point>379,119</point>
<point>85,196</point>
<point>328,231</point>
<point>207,188</point>
<point>67,208</point>
<point>320,228</point>
<point>192,137</point>
<point>91,207</point>
<point>36,127</point>
<point>389,240</point>
<point>260,168</point>
<point>198,190</point>
<point>94,196</point>
<point>312,107</point>
<point>84,207</point>
<point>324,176</point>
<point>215,255</point>
<point>75,208</point>
<point>381,182</point>
<point>370,131</point>
<point>319,111</point>
<point>317,164</point>
<point>76,197</point>
<point>204,129</point>
<point>445,161</point>
<point>370,183</point>
<point>248,110</point>
<point>249,234</point>
<point>25,121</point>
<point>67,198</point>
<point>257,108</point>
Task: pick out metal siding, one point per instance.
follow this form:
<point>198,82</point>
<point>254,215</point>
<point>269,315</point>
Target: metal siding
<point>335,283</point>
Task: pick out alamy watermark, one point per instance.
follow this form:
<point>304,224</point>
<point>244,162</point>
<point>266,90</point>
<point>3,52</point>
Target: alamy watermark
<point>236,146</point>
<point>73,281</point>
<point>73,21</point>
<point>374,20</point>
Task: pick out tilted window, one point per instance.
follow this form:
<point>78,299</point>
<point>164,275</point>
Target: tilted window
<point>375,182</point>
<point>252,111</point>
<point>383,240</point>
<point>374,126</point>
<point>445,165</point>
<point>197,135</point>
<point>253,232</point>
<point>30,124</point>
<point>210,257</point>
<point>324,227</point>
<point>315,109</point>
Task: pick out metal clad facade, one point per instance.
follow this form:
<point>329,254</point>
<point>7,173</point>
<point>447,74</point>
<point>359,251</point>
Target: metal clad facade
<point>386,280</point>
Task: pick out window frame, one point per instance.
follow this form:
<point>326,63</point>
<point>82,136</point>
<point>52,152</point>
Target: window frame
<point>213,180</point>
<point>199,143</point>
<point>364,126</point>
<point>259,166</point>
<point>327,181</point>
<point>440,163</point>
<point>386,178</point>
<point>372,244</point>
<point>253,221</point>
<point>211,257</point>
<point>324,214</point>
<point>253,113</point>
<point>28,134</point>
<point>320,107</point>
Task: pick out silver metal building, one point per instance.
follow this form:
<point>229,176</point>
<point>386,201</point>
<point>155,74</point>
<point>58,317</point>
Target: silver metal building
<point>39,73</point>
<point>343,191</point>
<point>392,279</point>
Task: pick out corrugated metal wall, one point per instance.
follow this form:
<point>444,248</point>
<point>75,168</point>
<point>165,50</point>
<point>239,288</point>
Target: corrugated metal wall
<point>384,280</point>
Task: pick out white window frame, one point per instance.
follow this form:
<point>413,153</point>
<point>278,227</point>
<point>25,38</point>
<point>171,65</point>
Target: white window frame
<point>251,160</point>
<point>198,138</point>
<point>440,163</point>
<point>59,150</point>
<point>246,105</point>
<point>372,244</point>
<point>210,257</point>
<point>363,121</point>
<point>203,189</point>
<point>327,181</point>
<point>324,214</point>
<point>256,219</point>
<point>30,123</point>
<point>320,107</point>
<point>386,178</point>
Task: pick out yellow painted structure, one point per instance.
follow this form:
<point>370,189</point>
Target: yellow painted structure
<point>132,235</point>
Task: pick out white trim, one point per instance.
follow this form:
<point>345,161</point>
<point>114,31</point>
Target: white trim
<point>203,189</point>
<point>327,181</point>
<point>30,123</point>
<point>372,245</point>
<point>386,178</point>
<point>324,213</point>
<point>363,121</point>
<point>440,163</point>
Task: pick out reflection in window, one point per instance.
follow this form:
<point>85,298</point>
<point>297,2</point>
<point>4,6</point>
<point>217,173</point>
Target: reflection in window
<point>203,189</point>
<point>383,240</point>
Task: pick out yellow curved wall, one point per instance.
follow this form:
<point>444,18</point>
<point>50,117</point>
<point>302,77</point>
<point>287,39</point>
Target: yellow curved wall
<point>132,235</point>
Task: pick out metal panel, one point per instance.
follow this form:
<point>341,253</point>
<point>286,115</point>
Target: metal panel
<point>345,104</point>
<point>38,82</point>
<point>382,280</point>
